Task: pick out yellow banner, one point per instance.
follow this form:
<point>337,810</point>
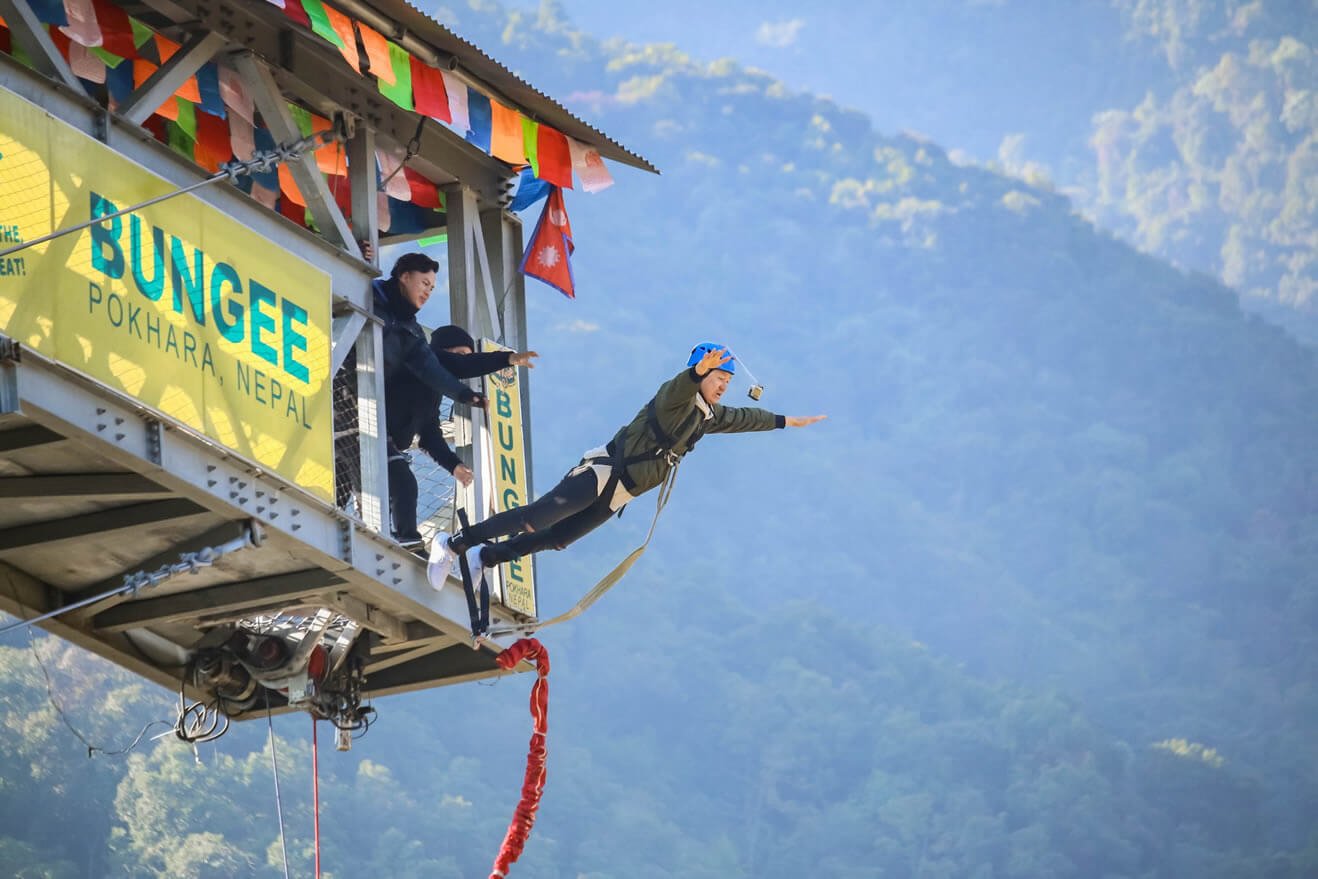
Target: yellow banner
<point>512,487</point>
<point>177,305</point>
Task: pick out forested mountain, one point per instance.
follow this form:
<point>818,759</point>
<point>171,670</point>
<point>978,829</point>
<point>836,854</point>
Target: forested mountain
<point>1039,599</point>
<point>1189,127</point>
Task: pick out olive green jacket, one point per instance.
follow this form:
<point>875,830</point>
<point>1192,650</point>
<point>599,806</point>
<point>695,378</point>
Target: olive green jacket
<point>683,420</point>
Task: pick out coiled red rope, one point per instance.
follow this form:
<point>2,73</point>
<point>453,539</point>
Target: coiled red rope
<point>519,828</point>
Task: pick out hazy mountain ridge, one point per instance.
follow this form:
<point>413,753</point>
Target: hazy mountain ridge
<point>1038,599</point>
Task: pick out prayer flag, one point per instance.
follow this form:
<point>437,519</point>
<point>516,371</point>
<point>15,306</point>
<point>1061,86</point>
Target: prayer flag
<point>457,102</point>
<point>530,190</point>
<point>589,166</point>
<point>342,25</point>
<point>288,186</point>
<point>479,121</point>
<point>423,193</point>
<point>213,148</point>
<point>267,197</point>
<point>548,256</point>
<point>116,30</point>
<point>186,119</point>
<point>50,12</point>
<point>189,90</point>
<point>235,95</point>
<point>242,137</point>
<point>392,180</point>
<point>293,9</point>
<point>82,27</point>
<point>377,53</point>
<point>208,87</point>
<point>505,133</point>
<point>85,65</point>
<point>555,157</point>
<point>320,23</point>
<point>428,91</point>
<point>530,144</point>
<point>399,89</point>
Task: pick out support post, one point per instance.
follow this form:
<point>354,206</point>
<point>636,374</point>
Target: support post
<point>361,182</point>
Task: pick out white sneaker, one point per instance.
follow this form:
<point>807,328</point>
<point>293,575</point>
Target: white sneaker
<point>474,563</point>
<point>441,561</point>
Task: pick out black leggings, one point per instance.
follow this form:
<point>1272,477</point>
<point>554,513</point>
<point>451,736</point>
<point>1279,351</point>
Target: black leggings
<point>570,511</point>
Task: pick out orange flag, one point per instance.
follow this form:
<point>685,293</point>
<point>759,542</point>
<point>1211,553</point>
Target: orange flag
<point>506,133</point>
<point>377,53</point>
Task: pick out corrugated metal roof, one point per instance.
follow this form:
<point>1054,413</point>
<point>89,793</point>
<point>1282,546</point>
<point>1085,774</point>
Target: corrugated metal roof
<point>513,89</point>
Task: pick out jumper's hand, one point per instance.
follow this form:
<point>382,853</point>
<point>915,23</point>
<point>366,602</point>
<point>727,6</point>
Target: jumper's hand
<point>522,358</point>
<point>477,401</point>
<point>462,473</point>
<point>802,420</point>
<point>712,360</point>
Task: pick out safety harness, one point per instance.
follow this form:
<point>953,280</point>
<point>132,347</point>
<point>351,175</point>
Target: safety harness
<point>665,447</point>
<point>478,605</point>
<point>478,594</point>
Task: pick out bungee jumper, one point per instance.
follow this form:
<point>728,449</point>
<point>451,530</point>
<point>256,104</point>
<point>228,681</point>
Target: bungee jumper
<point>641,456</point>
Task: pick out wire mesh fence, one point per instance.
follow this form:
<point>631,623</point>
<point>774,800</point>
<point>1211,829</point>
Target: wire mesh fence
<point>436,487</point>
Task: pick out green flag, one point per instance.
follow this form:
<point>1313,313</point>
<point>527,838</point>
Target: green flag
<point>531,143</point>
<point>401,91</point>
<point>320,22</point>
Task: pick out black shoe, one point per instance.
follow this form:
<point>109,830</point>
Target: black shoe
<point>412,543</point>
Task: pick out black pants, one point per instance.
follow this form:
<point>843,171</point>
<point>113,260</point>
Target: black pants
<point>571,510</point>
<point>402,497</point>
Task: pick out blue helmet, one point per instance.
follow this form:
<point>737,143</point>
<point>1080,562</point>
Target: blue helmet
<point>705,347</point>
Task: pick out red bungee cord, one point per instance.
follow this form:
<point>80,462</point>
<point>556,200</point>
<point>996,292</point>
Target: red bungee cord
<point>519,828</point>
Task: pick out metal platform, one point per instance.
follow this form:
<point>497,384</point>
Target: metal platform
<point>95,488</point>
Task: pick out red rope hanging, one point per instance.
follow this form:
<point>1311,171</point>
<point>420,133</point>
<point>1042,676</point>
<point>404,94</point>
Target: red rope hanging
<point>519,828</point>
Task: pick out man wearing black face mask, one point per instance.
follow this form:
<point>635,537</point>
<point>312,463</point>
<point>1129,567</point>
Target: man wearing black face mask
<point>413,379</point>
<point>455,350</point>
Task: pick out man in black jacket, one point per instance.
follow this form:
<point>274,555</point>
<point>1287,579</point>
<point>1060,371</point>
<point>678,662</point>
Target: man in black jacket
<point>413,380</point>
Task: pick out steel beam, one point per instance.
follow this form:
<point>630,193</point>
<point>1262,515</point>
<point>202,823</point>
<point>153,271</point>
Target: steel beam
<point>415,651</point>
<point>31,34</point>
<point>452,664</point>
<point>346,329</point>
<point>211,537</point>
<point>117,519</point>
<point>161,85</point>
<point>79,485</point>
<point>27,437</point>
<point>266,592</point>
<point>274,112</point>
<point>314,532</point>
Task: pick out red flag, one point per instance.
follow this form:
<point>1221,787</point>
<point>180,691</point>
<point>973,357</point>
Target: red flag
<point>293,9</point>
<point>547,256</point>
<point>428,91</point>
<point>555,158</point>
<point>116,32</point>
<point>424,193</point>
<point>213,147</point>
